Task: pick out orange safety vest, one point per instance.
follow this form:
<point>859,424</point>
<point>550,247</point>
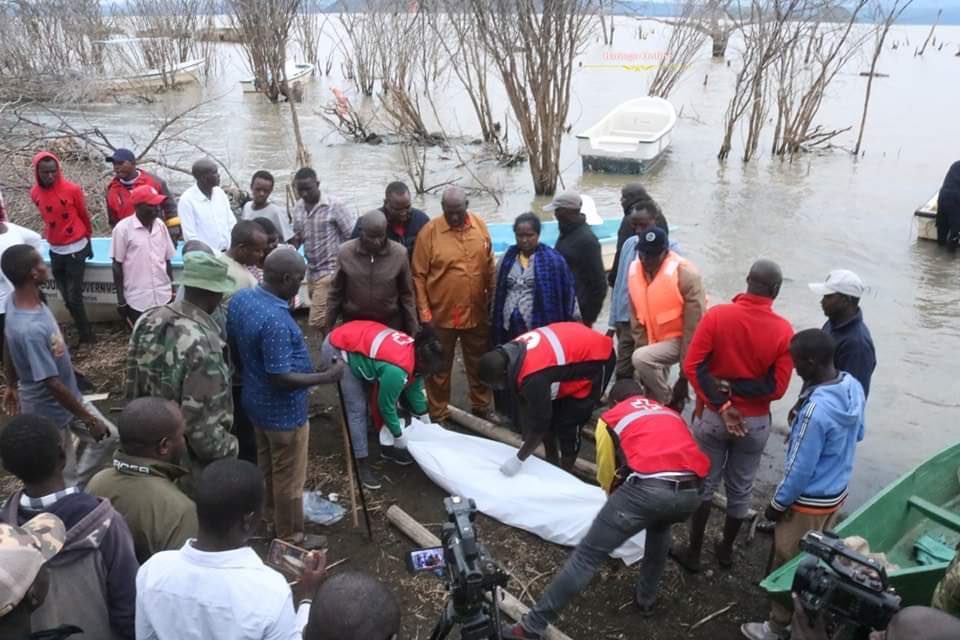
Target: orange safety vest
<point>658,305</point>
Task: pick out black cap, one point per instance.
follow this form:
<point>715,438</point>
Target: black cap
<point>652,241</point>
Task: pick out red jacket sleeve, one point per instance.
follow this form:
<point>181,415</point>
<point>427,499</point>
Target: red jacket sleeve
<point>81,205</point>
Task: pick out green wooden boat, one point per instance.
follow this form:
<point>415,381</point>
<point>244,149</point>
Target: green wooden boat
<point>925,500</point>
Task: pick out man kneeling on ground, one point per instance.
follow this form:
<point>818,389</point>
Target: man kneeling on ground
<point>385,367</point>
<point>656,485</point>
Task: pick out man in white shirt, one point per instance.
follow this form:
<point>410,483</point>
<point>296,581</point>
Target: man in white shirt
<point>216,587</point>
<point>204,209</point>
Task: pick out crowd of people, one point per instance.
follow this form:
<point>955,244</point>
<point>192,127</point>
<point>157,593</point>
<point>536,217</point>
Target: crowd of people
<point>141,529</point>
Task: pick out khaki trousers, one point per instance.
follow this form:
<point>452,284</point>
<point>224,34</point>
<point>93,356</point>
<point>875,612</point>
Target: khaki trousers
<point>651,365</point>
<point>319,289</point>
<point>625,348</point>
<point>473,343</point>
<point>786,546</point>
<point>282,457</point>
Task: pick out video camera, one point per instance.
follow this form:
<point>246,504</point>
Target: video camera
<point>847,587</point>
<point>472,575</point>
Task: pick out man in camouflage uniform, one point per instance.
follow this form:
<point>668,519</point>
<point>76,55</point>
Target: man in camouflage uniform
<point>946,596</point>
<point>177,352</point>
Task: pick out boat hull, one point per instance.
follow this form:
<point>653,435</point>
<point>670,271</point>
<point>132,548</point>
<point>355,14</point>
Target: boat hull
<point>926,218</point>
<point>631,139</point>
<point>185,73</point>
<point>301,72</point>
<point>893,520</point>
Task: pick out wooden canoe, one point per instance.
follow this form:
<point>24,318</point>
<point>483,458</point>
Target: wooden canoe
<point>925,500</point>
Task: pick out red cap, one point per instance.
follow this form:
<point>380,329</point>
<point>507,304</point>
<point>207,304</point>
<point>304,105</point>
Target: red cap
<point>145,194</point>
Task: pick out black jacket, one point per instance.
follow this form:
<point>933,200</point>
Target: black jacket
<point>581,249</point>
<point>417,221</point>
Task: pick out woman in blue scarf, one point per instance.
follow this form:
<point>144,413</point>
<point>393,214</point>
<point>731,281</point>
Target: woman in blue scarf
<point>535,287</point>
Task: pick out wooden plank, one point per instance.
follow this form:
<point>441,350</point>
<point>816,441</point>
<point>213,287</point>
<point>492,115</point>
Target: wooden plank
<point>508,604</point>
<point>936,513</point>
<point>584,469</point>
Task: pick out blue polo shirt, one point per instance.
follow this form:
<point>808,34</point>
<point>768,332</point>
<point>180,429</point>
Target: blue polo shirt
<point>267,340</point>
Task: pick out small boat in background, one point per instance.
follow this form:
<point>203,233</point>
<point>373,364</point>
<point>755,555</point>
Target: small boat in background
<point>921,504</point>
<point>154,79</point>
<point>926,216</point>
<point>294,71</point>
<point>629,139</point>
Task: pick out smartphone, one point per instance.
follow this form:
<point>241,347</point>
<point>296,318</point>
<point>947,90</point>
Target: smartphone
<point>286,558</point>
<point>430,559</point>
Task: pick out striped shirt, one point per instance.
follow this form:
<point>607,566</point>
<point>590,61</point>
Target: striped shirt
<point>322,228</point>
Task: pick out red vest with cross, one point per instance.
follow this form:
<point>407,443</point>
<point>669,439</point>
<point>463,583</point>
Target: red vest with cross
<point>377,342</point>
<point>653,438</point>
<point>559,344</point>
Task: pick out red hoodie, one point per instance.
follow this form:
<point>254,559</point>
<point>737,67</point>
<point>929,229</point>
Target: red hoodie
<point>61,206</point>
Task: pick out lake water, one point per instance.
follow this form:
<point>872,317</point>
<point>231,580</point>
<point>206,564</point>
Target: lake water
<point>819,212</point>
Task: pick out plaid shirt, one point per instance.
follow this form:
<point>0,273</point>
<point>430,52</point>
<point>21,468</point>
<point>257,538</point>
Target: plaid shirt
<point>322,229</point>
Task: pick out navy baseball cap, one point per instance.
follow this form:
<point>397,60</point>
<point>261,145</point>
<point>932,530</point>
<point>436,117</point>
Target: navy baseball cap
<point>652,241</point>
<point>122,155</point>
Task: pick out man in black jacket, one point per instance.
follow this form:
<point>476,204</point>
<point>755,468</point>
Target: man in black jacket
<point>581,249</point>
<point>403,221</point>
<point>633,195</point>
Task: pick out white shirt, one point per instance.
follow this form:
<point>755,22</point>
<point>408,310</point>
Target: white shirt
<point>208,220</point>
<point>15,235</point>
<point>227,595</point>
<point>276,215</point>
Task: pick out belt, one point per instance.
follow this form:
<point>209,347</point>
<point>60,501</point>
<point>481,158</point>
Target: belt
<point>680,483</point>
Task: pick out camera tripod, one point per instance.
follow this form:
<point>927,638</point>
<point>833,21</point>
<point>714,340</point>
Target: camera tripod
<point>478,624</point>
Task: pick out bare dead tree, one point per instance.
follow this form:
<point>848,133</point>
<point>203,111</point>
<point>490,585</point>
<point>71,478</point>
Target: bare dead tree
<point>361,50</point>
<point>686,40</point>
<point>933,27</point>
<point>341,114</point>
<point>885,19</point>
<point>309,24</point>
<point>534,49</point>
<point>265,27</point>
<point>167,33</point>
<point>834,49</point>
<point>715,19</point>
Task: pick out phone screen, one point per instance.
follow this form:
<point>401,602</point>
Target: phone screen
<point>426,559</point>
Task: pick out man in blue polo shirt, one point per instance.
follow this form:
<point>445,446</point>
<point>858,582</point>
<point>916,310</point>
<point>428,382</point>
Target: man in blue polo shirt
<point>277,372</point>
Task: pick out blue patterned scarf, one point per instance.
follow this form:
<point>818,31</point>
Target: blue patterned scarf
<point>555,296</point>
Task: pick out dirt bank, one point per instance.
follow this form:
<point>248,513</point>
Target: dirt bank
<point>603,611</point>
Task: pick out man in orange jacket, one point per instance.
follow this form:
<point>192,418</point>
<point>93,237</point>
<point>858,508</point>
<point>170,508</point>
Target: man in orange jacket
<point>667,301</point>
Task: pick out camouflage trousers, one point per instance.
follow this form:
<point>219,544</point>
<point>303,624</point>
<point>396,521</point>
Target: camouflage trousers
<point>946,596</point>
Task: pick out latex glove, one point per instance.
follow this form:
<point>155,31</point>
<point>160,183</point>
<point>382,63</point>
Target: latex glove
<point>511,467</point>
<point>386,438</point>
<point>400,442</point>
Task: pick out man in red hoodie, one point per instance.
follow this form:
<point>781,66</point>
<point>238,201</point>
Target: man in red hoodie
<point>738,363</point>
<point>68,230</point>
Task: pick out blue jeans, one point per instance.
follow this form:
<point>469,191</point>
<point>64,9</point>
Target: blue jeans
<point>356,400</point>
<point>638,505</point>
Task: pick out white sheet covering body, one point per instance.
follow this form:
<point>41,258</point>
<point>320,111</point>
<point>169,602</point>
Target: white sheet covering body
<point>542,499</point>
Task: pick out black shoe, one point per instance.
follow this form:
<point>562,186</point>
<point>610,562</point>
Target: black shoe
<point>368,478</point>
<point>682,558</point>
<point>645,610</point>
<point>398,456</point>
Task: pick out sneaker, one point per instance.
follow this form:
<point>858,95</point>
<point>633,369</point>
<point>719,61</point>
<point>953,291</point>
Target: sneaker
<point>368,478</point>
<point>761,631</point>
<point>517,632</point>
<point>399,456</point>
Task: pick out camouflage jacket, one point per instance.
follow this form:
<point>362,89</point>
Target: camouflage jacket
<point>176,352</point>
<point>946,596</point>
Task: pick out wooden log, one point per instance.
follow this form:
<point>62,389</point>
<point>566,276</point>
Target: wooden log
<point>508,604</point>
<point>584,469</point>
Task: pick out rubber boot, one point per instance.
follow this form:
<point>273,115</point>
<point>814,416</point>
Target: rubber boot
<point>724,548</point>
<point>689,558</point>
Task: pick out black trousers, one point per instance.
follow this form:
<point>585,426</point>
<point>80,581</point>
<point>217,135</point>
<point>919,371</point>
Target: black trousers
<point>243,429</point>
<point>68,272</point>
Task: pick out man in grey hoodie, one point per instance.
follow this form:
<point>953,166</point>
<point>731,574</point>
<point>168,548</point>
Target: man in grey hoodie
<point>93,578</point>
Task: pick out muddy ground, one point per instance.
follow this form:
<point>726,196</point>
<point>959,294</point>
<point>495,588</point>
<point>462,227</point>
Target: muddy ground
<point>605,610</point>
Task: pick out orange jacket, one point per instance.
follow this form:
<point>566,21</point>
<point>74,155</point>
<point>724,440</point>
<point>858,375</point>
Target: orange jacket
<point>658,305</point>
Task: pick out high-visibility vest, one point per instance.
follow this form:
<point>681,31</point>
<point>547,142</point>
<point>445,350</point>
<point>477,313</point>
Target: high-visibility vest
<point>559,344</point>
<point>653,438</point>
<point>377,342</point>
<point>658,305</point>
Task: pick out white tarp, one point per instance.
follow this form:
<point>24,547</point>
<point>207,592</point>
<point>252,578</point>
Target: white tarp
<point>541,499</point>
